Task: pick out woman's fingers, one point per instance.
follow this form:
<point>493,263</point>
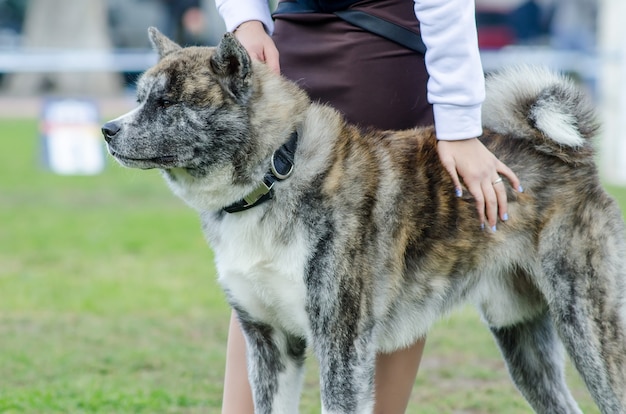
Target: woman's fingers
<point>482,174</point>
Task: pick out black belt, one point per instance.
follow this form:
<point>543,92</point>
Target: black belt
<point>365,21</point>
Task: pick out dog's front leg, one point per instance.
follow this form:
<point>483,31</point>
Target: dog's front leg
<point>343,344</point>
<point>346,373</point>
<point>275,367</point>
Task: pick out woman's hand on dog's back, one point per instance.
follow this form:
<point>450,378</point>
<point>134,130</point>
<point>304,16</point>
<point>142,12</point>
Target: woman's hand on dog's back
<point>258,43</point>
<point>480,170</point>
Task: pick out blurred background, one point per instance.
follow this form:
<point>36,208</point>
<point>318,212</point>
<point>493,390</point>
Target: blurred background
<point>91,47</point>
<point>97,48</point>
<point>108,294</point>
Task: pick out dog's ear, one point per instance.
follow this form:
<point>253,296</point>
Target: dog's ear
<point>161,43</point>
<point>233,65</point>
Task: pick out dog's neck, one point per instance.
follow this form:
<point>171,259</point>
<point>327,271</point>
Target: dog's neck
<point>281,166</point>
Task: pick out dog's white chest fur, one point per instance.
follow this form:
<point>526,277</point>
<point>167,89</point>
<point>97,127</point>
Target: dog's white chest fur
<point>264,275</point>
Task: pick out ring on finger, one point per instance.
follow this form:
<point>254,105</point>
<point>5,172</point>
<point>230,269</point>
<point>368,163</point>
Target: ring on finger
<point>498,180</point>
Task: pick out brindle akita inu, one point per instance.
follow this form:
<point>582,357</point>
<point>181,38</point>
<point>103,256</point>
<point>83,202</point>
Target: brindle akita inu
<point>353,242</point>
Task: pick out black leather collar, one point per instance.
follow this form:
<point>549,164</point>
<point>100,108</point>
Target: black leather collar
<point>281,167</point>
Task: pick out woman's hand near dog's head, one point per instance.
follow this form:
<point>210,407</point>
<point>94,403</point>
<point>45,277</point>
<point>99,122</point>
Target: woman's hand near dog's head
<point>258,43</point>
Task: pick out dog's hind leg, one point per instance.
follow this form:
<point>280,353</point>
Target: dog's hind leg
<point>594,336</point>
<point>584,282</point>
<point>275,367</point>
<point>535,359</point>
<point>599,375</point>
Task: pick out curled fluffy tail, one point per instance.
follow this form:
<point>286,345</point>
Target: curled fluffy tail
<point>537,104</point>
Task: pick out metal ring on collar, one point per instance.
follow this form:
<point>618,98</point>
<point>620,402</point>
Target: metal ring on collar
<point>279,175</point>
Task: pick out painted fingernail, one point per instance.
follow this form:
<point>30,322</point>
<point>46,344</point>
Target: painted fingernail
<point>520,189</point>
<point>458,192</point>
<point>482,226</point>
<point>493,229</point>
<point>505,216</point>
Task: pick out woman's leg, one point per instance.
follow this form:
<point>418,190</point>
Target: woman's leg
<point>237,397</point>
<point>395,376</point>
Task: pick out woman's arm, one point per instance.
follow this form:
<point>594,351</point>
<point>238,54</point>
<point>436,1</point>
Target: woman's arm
<point>456,85</point>
<point>235,12</point>
<point>456,88</point>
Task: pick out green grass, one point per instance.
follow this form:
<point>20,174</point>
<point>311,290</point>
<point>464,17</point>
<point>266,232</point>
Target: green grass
<point>108,303</point>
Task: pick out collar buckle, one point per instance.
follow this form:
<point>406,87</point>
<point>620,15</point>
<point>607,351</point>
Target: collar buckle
<point>256,194</point>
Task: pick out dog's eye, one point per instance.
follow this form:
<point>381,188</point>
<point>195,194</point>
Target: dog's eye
<point>164,103</point>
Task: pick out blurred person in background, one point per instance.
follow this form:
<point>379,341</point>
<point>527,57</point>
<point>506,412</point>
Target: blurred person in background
<point>507,22</point>
<point>574,25</point>
<point>185,21</point>
<point>12,14</point>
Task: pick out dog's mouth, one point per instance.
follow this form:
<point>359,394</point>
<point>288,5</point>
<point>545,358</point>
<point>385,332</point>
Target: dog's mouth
<point>147,162</point>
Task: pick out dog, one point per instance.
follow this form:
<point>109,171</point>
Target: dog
<point>353,241</point>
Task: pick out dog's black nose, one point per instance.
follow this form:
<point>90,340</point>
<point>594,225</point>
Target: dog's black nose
<point>109,130</point>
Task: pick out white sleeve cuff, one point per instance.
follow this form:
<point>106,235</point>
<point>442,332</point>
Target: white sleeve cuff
<point>235,12</point>
<point>453,122</point>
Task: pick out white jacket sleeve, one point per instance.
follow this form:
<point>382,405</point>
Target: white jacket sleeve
<point>456,85</point>
<point>235,12</point>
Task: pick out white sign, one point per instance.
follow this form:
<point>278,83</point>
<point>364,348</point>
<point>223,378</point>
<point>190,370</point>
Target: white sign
<point>72,139</point>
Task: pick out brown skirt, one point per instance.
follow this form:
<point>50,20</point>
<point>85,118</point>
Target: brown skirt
<point>373,81</point>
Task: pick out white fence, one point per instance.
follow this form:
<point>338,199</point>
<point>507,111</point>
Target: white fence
<point>605,74</point>
<point>73,60</point>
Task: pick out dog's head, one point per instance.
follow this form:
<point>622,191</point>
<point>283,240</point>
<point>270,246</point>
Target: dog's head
<point>187,102</point>
<point>208,117</point>
<point>198,111</point>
